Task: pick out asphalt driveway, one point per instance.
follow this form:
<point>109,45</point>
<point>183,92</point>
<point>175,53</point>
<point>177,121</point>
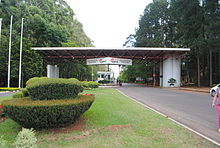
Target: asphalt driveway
<point>190,108</point>
<point>2,94</point>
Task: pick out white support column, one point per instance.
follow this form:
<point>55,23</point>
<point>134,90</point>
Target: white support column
<point>56,71</point>
<point>52,71</point>
<point>171,69</point>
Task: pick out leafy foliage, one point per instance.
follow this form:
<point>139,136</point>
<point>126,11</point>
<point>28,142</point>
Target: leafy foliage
<point>46,113</point>
<point>172,80</point>
<point>21,94</point>
<point>46,23</point>
<point>18,95</point>
<point>183,23</point>
<point>90,84</point>
<point>52,88</point>
<point>2,142</point>
<point>26,139</point>
<point>138,69</point>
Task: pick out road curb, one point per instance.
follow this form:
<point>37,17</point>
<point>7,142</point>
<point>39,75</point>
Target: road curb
<point>4,92</point>
<point>194,90</point>
<point>179,123</point>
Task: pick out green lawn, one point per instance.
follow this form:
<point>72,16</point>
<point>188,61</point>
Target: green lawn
<point>114,121</point>
<point>5,98</point>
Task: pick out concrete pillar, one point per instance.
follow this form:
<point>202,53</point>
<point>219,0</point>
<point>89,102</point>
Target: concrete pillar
<point>52,71</point>
<point>161,74</point>
<point>171,69</point>
<point>56,71</point>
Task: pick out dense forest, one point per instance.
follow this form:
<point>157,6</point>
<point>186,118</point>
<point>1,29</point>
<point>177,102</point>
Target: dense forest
<point>193,24</point>
<point>46,23</point>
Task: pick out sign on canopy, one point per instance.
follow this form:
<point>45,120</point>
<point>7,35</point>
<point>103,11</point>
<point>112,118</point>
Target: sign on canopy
<point>108,61</point>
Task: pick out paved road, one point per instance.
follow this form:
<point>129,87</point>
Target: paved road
<point>2,94</point>
<point>190,108</point>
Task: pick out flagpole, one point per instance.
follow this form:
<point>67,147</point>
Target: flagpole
<point>9,54</point>
<point>19,85</point>
<point>0,29</point>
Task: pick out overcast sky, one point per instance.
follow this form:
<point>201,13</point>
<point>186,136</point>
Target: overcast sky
<point>108,22</point>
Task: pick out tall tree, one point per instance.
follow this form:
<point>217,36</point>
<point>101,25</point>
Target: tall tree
<point>153,25</point>
<point>184,23</point>
<point>46,23</point>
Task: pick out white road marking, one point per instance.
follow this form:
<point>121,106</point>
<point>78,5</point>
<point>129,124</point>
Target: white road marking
<point>181,124</point>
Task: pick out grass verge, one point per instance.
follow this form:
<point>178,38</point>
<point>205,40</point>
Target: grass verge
<point>5,98</point>
<point>113,121</point>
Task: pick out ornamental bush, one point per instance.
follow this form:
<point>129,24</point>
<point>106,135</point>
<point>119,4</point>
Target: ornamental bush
<point>46,113</point>
<point>18,95</point>
<point>26,139</point>
<point>90,84</point>
<point>2,114</point>
<point>34,79</point>
<point>2,142</point>
<point>25,92</point>
<point>53,88</point>
<point>21,94</point>
<point>75,80</point>
<point>9,89</point>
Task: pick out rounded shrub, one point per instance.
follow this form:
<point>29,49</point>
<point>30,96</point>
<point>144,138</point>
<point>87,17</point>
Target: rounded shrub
<point>53,88</point>
<point>18,95</point>
<point>74,80</point>
<point>26,139</point>
<point>25,92</point>
<point>46,113</point>
<point>35,79</point>
<point>21,94</point>
<point>104,81</point>
<point>90,84</point>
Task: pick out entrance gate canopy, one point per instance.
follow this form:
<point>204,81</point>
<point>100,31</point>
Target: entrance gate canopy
<point>139,53</point>
<point>169,58</point>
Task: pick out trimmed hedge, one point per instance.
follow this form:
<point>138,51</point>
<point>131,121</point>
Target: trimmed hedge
<point>9,89</point>
<point>25,92</point>
<point>21,94</point>
<point>53,88</point>
<point>74,80</point>
<point>46,113</point>
<point>18,95</point>
<point>35,79</point>
<point>90,84</point>
<point>104,81</point>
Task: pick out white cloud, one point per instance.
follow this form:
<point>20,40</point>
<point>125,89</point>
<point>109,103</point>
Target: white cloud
<point>108,23</point>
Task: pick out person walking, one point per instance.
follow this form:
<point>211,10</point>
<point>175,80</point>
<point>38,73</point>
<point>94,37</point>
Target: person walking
<point>216,103</point>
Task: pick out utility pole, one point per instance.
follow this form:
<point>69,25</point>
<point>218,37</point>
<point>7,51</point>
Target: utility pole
<point>19,85</point>
<point>9,53</point>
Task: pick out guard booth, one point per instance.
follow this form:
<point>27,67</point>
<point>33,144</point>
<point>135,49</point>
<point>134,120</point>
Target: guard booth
<point>169,59</point>
<point>109,76</point>
<point>106,75</point>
